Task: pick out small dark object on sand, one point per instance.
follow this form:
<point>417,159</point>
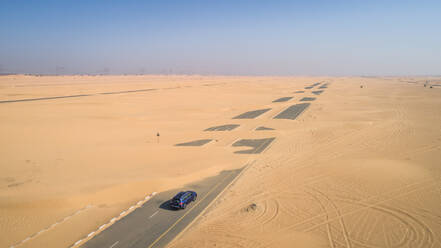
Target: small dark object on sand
<point>251,207</point>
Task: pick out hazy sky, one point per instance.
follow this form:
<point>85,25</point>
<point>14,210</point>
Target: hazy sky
<point>221,37</point>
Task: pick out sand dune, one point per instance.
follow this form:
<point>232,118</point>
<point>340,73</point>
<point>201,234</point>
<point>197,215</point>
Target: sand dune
<point>359,167</point>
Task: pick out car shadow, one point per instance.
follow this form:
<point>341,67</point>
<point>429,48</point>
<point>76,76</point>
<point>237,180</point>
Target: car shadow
<point>166,206</point>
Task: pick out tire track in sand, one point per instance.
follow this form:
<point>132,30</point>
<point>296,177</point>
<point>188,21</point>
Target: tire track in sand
<point>415,188</point>
<point>326,214</point>
<point>417,231</point>
<point>340,219</point>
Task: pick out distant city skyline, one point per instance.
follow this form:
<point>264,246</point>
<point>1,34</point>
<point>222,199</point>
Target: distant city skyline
<point>285,38</point>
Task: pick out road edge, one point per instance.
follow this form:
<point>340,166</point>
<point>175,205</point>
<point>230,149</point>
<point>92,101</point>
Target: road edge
<point>103,227</point>
<point>211,203</point>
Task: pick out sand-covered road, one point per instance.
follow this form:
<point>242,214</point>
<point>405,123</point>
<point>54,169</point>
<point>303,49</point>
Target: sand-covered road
<point>337,164</point>
<point>361,168</point>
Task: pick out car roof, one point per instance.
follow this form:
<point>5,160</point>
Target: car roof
<point>178,195</point>
<point>182,193</point>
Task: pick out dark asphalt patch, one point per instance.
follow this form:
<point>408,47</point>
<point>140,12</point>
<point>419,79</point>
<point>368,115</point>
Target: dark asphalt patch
<point>262,128</point>
<point>227,127</point>
<point>323,86</point>
<point>311,86</point>
<point>74,96</point>
<point>125,91</point>
<point>251,114</point>
<point>44,98</point>
<point>307,99</point>
<point>258,145</point>
<point>299,91</point>
<point>293,111</point>
<point>317,92</point>
<point>283,99</point>
<point>200,142</point>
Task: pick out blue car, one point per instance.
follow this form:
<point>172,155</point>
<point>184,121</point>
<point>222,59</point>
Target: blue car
<point>181,200</point>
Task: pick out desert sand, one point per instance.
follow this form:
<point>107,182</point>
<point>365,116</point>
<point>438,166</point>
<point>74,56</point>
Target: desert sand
<point>360,167</point>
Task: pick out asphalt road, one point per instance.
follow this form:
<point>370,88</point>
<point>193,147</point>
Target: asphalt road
<point>154,224</point>
<point>252,114</point>
<point>195,142</point>
<point>283,99</point>
<point>307,99</point>
<point>292,112</point>
<point>43,98</point>
<point>73,96</point>
<point>94,94</point>
<point>227,127</point>
<point>257,145</point>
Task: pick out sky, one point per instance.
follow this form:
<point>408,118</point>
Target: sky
<point>221,37</point>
